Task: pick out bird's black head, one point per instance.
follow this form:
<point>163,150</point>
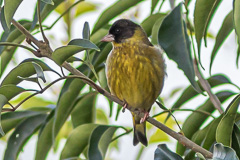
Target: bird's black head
<point>121,30</point>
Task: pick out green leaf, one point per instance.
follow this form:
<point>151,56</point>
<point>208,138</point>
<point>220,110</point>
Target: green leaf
<point>178,48</point>
<point>190,93</point>
<point>225,30</point>
<point>236,139</point>
<point>84,110</point>
<point>154,4</point>
<point>3,101</point>
<point>221,152</point>
<point>225,127</point>
<point>162,152</point>
<point>10,91</point>
<point>39,71</point>
<point>24,69</point>
<point>211,134</point>
<point>48,2</point>
<point>148,23</point>
<point>77,141</point>
<point>77,45</point>
<point>3,21</point>
<point>113,11</point>
<point>193,123</point>
<point>10,9</point>
<point>155,29</point>
<point>21,134</point>
<point>35,17</point>
<point>86,31</point>
<point>236,20</point>
<point>64,106</point>
<point>203,13</point>
<point>45,140</point>
<point>205,137</point>
<point>14,36</point>
<point>99,141</point>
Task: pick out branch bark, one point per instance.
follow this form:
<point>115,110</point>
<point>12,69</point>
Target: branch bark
<point>206,86</point>
<point>47,51</point>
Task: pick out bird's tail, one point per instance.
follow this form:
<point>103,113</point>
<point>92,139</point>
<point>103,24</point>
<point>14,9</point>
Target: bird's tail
<point>139,131</point>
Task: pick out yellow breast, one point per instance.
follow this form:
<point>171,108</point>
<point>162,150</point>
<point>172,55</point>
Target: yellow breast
<point>135,73</point>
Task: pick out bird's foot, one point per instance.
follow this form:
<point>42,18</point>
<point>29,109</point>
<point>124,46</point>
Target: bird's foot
<point>146,115</point>
<point>124,107</point>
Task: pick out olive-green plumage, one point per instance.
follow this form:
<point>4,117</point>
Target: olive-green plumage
<point>135,71</point>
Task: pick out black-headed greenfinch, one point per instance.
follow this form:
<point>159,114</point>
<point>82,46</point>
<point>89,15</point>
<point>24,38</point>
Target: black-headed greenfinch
<point>135,71</point>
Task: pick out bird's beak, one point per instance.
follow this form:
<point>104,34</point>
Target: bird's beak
<point>108,38</point>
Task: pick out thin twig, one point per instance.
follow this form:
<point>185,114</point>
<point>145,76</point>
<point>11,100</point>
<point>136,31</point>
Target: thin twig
<point>17,45</point>
<point>206,86</point>
<point>127,132</point>
<point>40,22</point>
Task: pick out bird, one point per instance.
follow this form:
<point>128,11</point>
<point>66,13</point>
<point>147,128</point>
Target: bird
<point>135,71</point>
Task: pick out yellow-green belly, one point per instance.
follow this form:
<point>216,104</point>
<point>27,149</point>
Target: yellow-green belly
<point>135,75</point>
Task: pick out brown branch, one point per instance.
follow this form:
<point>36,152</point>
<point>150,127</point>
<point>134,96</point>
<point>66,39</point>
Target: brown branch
<point>182,139</point>
<point>206,86</point>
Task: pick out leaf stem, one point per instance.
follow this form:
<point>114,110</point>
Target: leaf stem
<point>40,22</point>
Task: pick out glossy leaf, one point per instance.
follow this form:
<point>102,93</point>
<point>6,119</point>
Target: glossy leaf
<point>196,120</point>
<point>21,134</point>
<point>211,134</point>
<point>225,127</point>
<point>148,23</point>
<point>77,141</point>
<point>11,119</point>
<point>203,14</point>
<point>14,36</point>
<point>162,152</point>
<point>45,141</point>
<point>10,9</point>
<point>48,2</point>
<point>10,91</point>
<point>77,45</point>
<point>99,141</point>
<point>39,71</point>
<point>3,101</point>
<point>221,152</point>
<point>113,11</point>
<point>225,30</point>
<point>84,110</point>
<point>197,138</point>
<point>86,31</point>
<point>236,17</point>
<point>24,69</point>
<point>155,29</point>
<point>3,20</point>
<point>236,139</point>
<point>64,106</point>
<point>178,48</point>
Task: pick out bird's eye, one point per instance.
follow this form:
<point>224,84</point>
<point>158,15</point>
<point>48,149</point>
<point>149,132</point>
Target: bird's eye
<point>117,30</point>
